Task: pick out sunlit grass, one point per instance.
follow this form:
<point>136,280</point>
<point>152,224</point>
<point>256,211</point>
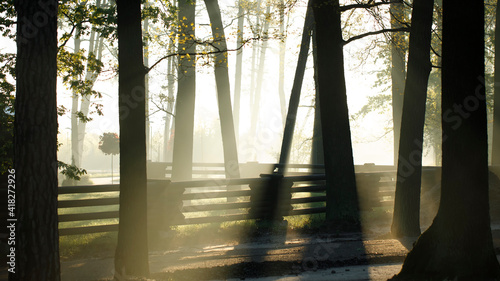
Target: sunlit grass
<point>87,245</point>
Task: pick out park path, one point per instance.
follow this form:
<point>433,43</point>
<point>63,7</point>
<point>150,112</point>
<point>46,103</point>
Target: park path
<point>306,258</point>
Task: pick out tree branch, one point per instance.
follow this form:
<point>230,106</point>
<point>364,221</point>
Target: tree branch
<point>217,51</point>
<point>404,29</point>
<point>368,5</point>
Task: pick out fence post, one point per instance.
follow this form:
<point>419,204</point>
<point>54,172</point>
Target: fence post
<point>271,200</point>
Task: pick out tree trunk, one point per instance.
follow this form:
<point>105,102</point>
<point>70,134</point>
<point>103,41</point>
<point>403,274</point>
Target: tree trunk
<point>182,162</point>
<point>293,105</point>
<point>406,218</point>
<point>398,73</point>
<point>231,162</point>
<point>35,143</point>
<point>495,155</point>
<point>458,245</point>
<point>260,75</point>
<point>170,106</point>
<point>281,81</point>
<point>75,151</point>
<point>131,257</point>
<point>317,153</point>
<point>239,65</point>
<point>342,210</point>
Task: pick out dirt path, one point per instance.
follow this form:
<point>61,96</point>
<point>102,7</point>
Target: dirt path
<point>266,257</point>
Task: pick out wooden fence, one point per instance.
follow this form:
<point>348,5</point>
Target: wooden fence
<point>268,197</point>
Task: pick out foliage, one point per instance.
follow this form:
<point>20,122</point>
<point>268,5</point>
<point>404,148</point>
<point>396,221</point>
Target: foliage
<point>109,143</point>
<point>71,171</point>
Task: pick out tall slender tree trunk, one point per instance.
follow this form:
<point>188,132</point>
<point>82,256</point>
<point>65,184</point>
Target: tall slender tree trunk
<point>406,218</point>
<point>35,145</point>
<point>239,66</point>
<point>182,162</point>
<point>293,105</point>
<point>170,107</point>
<point>317,152</point>
<point>281,81</point>
<point>75,151</point>
<point>231,162</point>
<point>398,69</point>
<point>131,256</point>
<point>342,211</point>
<point>260,75</point>
<point>95,48</point>
<point>458,245</point>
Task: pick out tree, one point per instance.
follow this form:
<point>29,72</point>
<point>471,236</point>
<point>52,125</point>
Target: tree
<point>398,73</point>
<point>35,157</point>
<point>406,221</point>
<point>239,65</point>
<point>458,245</point>
<point>297,86</point>
<point>131,256</point>
<point>495,157</point>
<point>223,91</point>
<point>182,162</point>
<point>342,202</point>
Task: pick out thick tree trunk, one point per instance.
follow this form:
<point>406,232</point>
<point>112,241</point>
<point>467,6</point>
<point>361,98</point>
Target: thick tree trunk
<point>458,245</point>
<point>35,143</point>
<point>293,105</point>
<point>398,72</point>
<point>182,162</point>
<point>131,257</point>
<point>406,219</point>
<point>342,210</point>
<point>495,155</point>
<point>231,162</point>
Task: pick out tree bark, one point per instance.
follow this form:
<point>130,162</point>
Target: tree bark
<point>131,257</point>
<point>342,210</point>
<point>35,144</point>
<point>495,155</point>
<point>406,218</point>
<point>182,162</point>
<point>231,162</point>
<point>458,245</point>
<point>398,72</point>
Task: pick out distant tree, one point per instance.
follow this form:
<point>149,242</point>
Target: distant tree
<point>131,256</point>
<point>342,209</point>
<point>182,159</point>
<point>406,221</point>
<point>109,143</point>
<point>223,91</point>
<point>399,48</point>
<point>35,145</point>
<point>458,245</point>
